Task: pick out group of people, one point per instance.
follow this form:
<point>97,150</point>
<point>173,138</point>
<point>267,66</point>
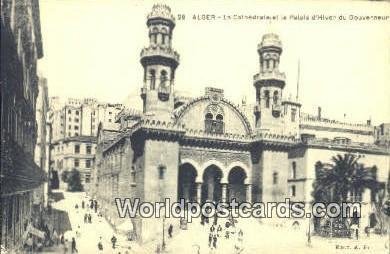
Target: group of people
<point>87,218</point>
<point>228,231</point>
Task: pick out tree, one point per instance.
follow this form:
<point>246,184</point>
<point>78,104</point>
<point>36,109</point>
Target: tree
<point>74,181</point>
<point>343,177</point>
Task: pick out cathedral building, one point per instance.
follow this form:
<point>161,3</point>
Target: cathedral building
<point>208,148</point>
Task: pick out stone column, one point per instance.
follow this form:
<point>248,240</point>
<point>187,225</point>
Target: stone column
<point>199,192</point>
<point>224,192</point>
<point>248,193</point>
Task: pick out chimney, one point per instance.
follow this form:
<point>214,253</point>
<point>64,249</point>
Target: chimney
<point>369,122</point>
<point>319,113</point>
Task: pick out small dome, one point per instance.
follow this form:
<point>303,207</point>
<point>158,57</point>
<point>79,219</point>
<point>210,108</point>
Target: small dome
<point>161,11</point>
<point>270,40</point>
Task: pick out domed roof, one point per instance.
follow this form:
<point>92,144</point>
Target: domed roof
<point>270,40</point>
<point>161,11</point>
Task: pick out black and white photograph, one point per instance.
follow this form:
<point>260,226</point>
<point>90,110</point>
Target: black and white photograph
<point>199,127</point>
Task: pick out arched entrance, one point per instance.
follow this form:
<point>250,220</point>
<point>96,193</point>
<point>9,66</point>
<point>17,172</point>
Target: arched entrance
<point>186,182</point>
<point>211,188</point>
<point>236,187</point>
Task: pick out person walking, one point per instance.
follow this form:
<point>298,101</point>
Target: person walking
<point>100,245</point>
<point>215,241</point>
<point>89,218</point>
<point>210,239</point>
<point>82,204</point>
<point>170,230</point>
<point>74,249</point>
<point>85,218</point>
<point>113,241</point>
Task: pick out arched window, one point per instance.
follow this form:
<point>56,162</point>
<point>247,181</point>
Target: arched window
<point>276,97</point>
<point>219,117</point>
<point>266,96</point>
<point>153,35</point>
<point>209,116</point>
<point>152,75</point>
<point>294,170</point>
<point>163,78</point>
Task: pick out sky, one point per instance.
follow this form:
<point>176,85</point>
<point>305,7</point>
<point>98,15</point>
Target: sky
<point>92,48</point>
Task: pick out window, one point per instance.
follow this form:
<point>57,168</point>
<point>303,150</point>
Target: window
<point>76,163</point>
<point>110,113</point>
<point>163,78</point>
<point>266,96</point>
<point>70,127</point>
<point>275,98</point>
<point>87,178</point>
<point>292,191</point>
<point>294,170</point>
<point>88,163</point>
<point>69,134</point>
<point>275,178</point>
<point>76,120</point>
<point>76,127</point>
<point>214,126</point>
<point>77,112</point>
<point>293,114</point>
<point>152,74</point>
<point>70,119</point>
<point>77,149</point>
<point>69,111</point>
<point>161,172</point>
<point>109,120</point>
<point>89,149</point>
<point>76,133</point>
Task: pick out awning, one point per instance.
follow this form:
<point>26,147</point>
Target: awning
<point>19,173</point>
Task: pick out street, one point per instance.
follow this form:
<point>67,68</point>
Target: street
<point>256,237</point>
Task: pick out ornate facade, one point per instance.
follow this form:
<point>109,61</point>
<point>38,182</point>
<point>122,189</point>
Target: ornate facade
<point>207,148</point>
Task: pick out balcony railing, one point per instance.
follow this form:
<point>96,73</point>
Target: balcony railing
<point>276,75</point>
<point>160,51</point>
<point>214,126</point>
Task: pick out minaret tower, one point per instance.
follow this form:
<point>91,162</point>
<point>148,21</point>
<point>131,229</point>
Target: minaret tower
<point>269,84</point>
<point>160,62</point>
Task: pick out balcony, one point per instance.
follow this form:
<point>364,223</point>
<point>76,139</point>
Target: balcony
<point>155,52</point>
<point>269,75</point>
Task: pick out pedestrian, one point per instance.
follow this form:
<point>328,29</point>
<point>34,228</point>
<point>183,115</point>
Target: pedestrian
<point>74,249</point>
<point>82,204</point>
<point>219,229</point>
<point>113,241</point>
<point>170,229</point>
<point>212,228</point>
<point>215,241</point>
<point>85,218</point>
<point>100,245</point>
<point>89,218</point>
<point>357,233</point>
<point>65,246</point>
<point>62,239</point>
<point>227,234</point>
<point>210,239</point>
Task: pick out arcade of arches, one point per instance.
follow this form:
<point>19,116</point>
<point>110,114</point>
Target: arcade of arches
<point>211,184</point>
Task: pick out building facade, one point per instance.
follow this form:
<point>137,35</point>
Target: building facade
<point>41,155</point>
<point>74,127</point>
<point>209,149</point>
<point>21,47</point>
